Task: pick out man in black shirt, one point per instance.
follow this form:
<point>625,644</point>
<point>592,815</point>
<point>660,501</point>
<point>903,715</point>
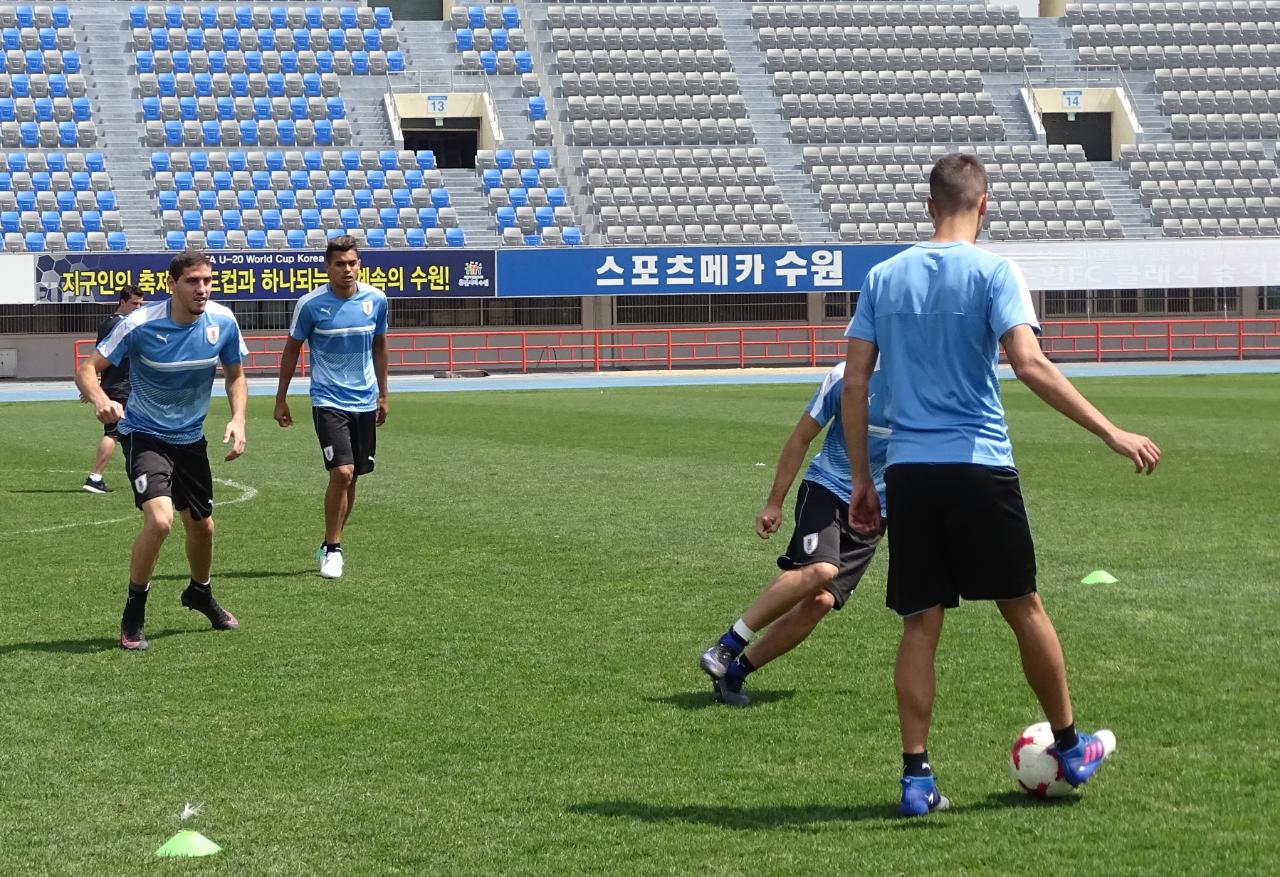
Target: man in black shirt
<point>115,383</point>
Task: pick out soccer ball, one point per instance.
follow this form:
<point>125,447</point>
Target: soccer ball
<point>1034,770</point>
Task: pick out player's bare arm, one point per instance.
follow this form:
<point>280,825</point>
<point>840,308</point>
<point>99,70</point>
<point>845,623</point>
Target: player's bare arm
<point>238,397</point>
<point>288,364</point>
<point>864,501</point>
<point>789,463</point>
<point>88,382</point>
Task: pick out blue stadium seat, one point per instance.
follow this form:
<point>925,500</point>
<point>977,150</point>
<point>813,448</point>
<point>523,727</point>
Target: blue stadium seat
<point>544,216</point>
<point>71,61</point>
<point>226,107</point>
<point>363,198</point>
<point>289,61</point>
<point>389,217</point>
<point>518,197</point>
<point>181,61</point>
<point>530,240</point>
<point>216,239</point>
<point>524,62</point>
<point>231,40</point>
<point>175,240</point>
<point>388,160</point>
<point>475,16</point>
<point>271,219</point>
<point>347,15</point>
<point>279,17</point>
<point>8,109</point>
<point>94,162</point>
<point>314,16</point>
<point>413,178</point>
<point>145,62</point>
<point>489,61</point>
<point>239,84</point>
<point>253,61</point>
<point>68,136</point>
<point>506,217</point>
<point>91,219</point>
<point>81,181</point>
<point>310,218</point>
<point>311,84</point>
<point>401,198</point>
<point>167,199</point>
<point>44,109</point>
<point>256,238</point>
<point>209,17</point>
<point>542,158</point>
<point>61,16</point>
<point>26,16</point>
<point>266,39</point>
<point>21,84</point>
<point>372,40</point>
<point>167,84</point>
<point>76,241</point>
<point>287,132</point>
<point>81,111</point>
<point>426,160</point>
<point>298,107</point>
<point>302,40</point>
<point>275,84</point>
<point>12,39</point>
<point>41,181</point>
<point>428,217</point>
<point>324,198</point>
<point>261,180</point>
<point>208,200</point>
<point>498,37</point>
<point>11,221</point>
<point>351,159</point>
<point>232,220</point>
<point>572,236</point>
<point>537,108</point>
<point>337,40</point>
<point>463,40</point>
<point>187,108</point>
<point>137,16</point>
<point>244,17</point>
<point>48,39</point>
<point>57,85</point>
<point>199,160</point>
<point>529,177</point>
<point>195,38</point>
<point>416,237</point>
<point>510,16</point>
<point>287,199</point>
<point>203,83</point>
<point>440,197</point>
<point>504,159</point>
<point>455,237</point>
<point>395,61</point>
<point>313,160</point>
<point>173,16</point>
<point>217,61</point>
<point>324,132</point>
<point>337,179</point>
<point>6,181</point>
<point>360,63</point>
<point>324,61</point>
<point>237,161</point>
<point>262,108</point>
<point>183,181</point>
<point>191,220</point>
<point>106,200</point>
<point>350,217</point>
<point>298,180</point>
<point>117,241</point>
<point>248,132</point>
<point>159,39</point>
<point>382,16</point>
<point>376,238</point>
<point>66,201</point>
<point>296,238</point>
<point>377,179</point>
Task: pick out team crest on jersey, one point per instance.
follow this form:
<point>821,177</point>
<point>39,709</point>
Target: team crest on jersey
<point>367,307</point>
<point>328,453</point>
<point>211,334</point>
<point>140,484</point>
<point>811,543</point>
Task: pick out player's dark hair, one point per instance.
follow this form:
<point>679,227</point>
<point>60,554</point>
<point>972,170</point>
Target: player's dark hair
<point>956,184</point>
<point>344,243</point>
<point>185,261</point>
<point>129,291</point>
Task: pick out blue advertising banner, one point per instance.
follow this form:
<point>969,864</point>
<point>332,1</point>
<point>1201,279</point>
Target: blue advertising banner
<point>267,274</point>
<point>674,270</point>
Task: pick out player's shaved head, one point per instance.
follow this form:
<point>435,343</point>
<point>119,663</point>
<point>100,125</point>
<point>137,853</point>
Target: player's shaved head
<point>956,184</point>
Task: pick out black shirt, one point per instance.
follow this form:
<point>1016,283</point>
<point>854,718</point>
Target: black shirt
<point>115,378</point>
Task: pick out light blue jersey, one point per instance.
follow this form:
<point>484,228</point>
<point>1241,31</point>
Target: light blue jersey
<point>830,467</point>
<point>937,313</point>
<point>339,334</point>
<point>171,368</point>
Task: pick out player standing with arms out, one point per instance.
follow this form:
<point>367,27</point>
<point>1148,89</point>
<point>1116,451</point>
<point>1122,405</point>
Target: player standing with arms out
<point>935,315</point>
<point>173,348</point>
<point>344,324</point>
<point>115,383</point>
<point>825,560</point>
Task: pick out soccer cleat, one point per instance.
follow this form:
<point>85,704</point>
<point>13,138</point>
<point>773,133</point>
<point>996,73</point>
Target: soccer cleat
<point>920,795</point>
<point>220,618</point>
<point>331,565</point>
<point>1083,760</point>
<point>133,640</point>
<point>716,660</point>
<point>730,694</point>
<point>99,486</point>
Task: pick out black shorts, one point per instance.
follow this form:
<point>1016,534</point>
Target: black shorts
<point>347,438</point>
<point>822,535</point>
<point>110,430</point>
<point>159,468</point>
<point>959,530</point>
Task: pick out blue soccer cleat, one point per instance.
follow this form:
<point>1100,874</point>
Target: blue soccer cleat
<point>1083,760</point>
<point>920,795</point>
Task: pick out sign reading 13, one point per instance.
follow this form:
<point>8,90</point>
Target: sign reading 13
<point>436,103</point>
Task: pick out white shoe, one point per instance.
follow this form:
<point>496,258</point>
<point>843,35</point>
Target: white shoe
<point>331,565</point>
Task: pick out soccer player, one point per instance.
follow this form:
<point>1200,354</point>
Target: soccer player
<point>934,315</point>
<point>344,324</point>
<point>115,383</point>
<point>173,348</point>
<point>824,561</point>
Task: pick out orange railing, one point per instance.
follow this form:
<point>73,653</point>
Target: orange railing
<point>745,346</point>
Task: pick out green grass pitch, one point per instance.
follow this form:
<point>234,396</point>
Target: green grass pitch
<point>506,682</point>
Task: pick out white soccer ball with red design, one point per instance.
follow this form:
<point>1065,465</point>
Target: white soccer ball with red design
<point>1034,770</point>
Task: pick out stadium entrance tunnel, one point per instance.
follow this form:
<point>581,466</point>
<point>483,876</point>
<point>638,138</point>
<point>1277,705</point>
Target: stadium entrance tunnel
<point>452,125</point>
<point>1099,120</point>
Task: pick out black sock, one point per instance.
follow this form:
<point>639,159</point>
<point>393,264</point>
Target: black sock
<point>916,764</point>
<point>1066,737</point>
<point>204,589</point>
<point>332,546</point>
<point>747,666</point>
<point>135,605</point>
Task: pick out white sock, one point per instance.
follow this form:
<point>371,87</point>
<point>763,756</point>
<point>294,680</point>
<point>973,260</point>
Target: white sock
<point>741,629</point>
<point>94,476</point>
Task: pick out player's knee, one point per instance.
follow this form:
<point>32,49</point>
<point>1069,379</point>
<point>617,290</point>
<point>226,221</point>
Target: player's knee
<point>822,602</point>
<point>202,527</point>
<point>158,522</point>
<point>342,476</point>
<point>819,575</point>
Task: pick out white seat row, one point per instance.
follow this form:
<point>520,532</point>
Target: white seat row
<point>1200,10</point>
<point>937,36</point>
<point>1025,210</point>
<point>1144,57</point>
<point>1158,171</point>
<point>1228,126</point>
<point>881,14</point>
<point>661,132</point>
<point>748,157</point>
<point>1259,187</point>
<point>681,106</point>
<point>616,38</point>
<point>998,59</point>
<point>905,129</point>
<point>1170,151</point>
<point>1226,227</point>
<point>673,177</point>
<point>1200,78</point>
<point>868,81</point>
<point>747,233</point>
<point>1221,101</point>
<point>677,196</point>
<point>162,62</point>
<point>870,193</point>
<point>177,39</point>
<point>295,16</point>
<point>1055,230</point>
<point>928,104</point>
<point>1174,34</point>
<point>185,85</point>
<point>998,174</point>
<point>643,60</point>
<point>908,154</point>
<point>632,15</point>
<point>590,84</point>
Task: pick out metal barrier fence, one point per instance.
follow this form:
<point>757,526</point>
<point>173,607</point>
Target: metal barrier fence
<point>748,346</point>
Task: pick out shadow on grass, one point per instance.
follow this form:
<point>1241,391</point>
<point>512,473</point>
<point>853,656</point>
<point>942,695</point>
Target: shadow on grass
<point>239,574</point>
<point>701,700</point>
<point>742,818</point>
<point>49,490</point>
<point>89,646</point>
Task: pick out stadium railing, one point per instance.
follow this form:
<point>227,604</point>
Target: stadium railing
<point>751,346</point>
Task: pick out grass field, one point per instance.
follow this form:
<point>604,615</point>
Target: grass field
<point>505,682</point>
